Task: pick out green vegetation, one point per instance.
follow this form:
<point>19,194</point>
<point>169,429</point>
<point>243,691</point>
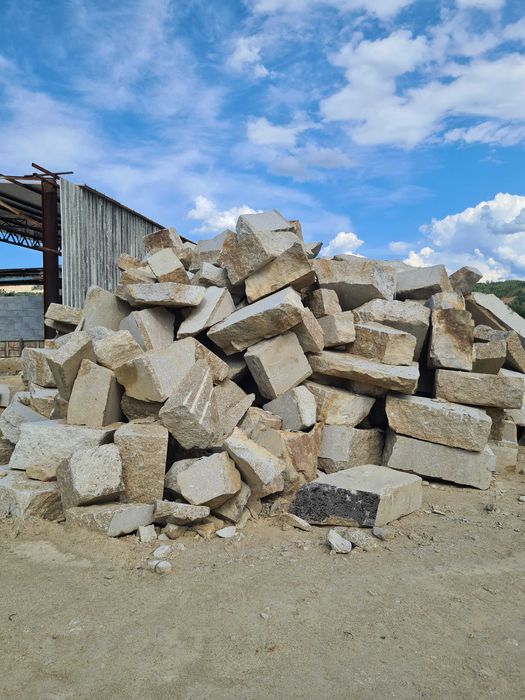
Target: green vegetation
<point>512,291</point>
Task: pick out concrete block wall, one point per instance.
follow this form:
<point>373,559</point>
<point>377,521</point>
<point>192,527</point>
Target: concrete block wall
<point>22,317</point>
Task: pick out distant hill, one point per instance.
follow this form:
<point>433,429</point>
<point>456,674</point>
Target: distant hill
<point>512,292</point>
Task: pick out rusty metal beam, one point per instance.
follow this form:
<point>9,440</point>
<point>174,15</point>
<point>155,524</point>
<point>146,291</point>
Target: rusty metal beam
<point>50,243</point>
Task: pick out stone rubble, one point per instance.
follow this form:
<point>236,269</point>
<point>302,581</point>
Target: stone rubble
<point>244,376</point>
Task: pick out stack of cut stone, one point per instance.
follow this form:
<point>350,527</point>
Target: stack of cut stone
<point>243,369</point>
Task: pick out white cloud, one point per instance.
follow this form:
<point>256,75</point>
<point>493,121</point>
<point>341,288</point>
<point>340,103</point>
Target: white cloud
<point>383,9</point>
<point>305,163</point>
<point>399,246</point>
<point>246,56</point>
<point>420,259</point>
<point>214,220</point>
<point>263,133</point>
<point>481,4</point>
<point>343,242</point>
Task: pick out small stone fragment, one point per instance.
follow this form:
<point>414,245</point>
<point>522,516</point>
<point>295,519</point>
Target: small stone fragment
<point>147,533</point>
<point>295,521</point>
<point>337,543</point>
<point>227,532</point>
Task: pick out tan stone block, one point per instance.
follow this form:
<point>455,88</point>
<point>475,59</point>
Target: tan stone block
<point>143,449</point>
<point>210,481</point>
<point>95,398</point>
<point>168,294</point>
<point>291,268</point>
<point>338,329</point>
<point>65,362</point>
<point>422,282</point>
<point>167,267</point>
<point>451,340</point>
<point>383,343</point>
<point>355,280</point>
<point>116,349</point>
<point>91,475</point>
<point>152,329</point>
<point>343,447</point>
<point>216,305</point>
<point>323,302</point>
<point>260,469</point>
<point>479,389</point>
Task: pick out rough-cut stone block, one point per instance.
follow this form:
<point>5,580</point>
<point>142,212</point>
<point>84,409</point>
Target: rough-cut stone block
<point>477,389</point>
<point>464,279</point>
<point>153,329</point>
<point>233,509</point>
<point>92,475</point>
<point>297,451</point>
<point>488,309</point>
<point>309,333</point>
<point>162,238</point>
<point>6,450</point>
<point>67,315</point>
<point>263,221</point>
<point>35,367</point>
<point>338,329</point>
<point>515,414</point>
<point>451,339</point>
<point>488,358</point>
<point>102,308</point>
<point>356,280</point>
<point>383,343</point>
<point>111,519</point>
<point>324,302</point>
<point>260,469</point>
<point>47,443</point>
<point>95,398</point>
<point>143,449</point>
<point>5,395</point>
<point>172,475</point>
<point>169,294</point>
<point>429,459</point>
<point>343,447</point>
<point>233,403</point>
<point>337,406</point>
<point>129,262</point>
<point>16,415</point>
<point>277,364</point>
<point>515,353</point>
<point>210,481</point>
<point>506,455</point>
<point>368,372</point>
<point>208,251</point>
<point>291,268</point>
<point>169,512</point>
<point>257,420</point>
<point>422,282</point>
<point>216,305</point>
<point>135,409</point>
<point>116,349</point>
<point>265,318</point>
<point>66,361</point>
<point>367,496</point>
<point>446,300</point>
<point>209,275</point>
<point>437,421</point>
<point>43,400</point>
<point>21,497</point>
<point>167,267</point>
<point>191,413</point>
<point>296,407</point>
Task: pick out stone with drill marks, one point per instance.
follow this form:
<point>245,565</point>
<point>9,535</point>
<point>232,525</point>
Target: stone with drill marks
<point>210,481</point>
<point>337,406</point>
<point>116,349</point>
<point>35,367</point>
<point>291,268</point>
<point>216,305</point>
<point>430,460</point>
<point>338,329</point>
<point>343,447</point>
<point>366,496</point>
<point>265,318</point>
<point>309,333</point>
<point>66,361</point>
<point>260,469</point>
<point>277,364</point>
<point>368,372</point>
<point>169,294</point>
<point>95,398</point>
<point>478,389</point>
<point>90,476</point>
<point>422,282</point>
<point>169,512</point>
<point>464,279</point>
<point>383,343</point>
<point>23,498</point>
<point>143,449</point>
<point>111,519</point>
<point>437,421</point>
<point>296,407</point>
<point>451,340</point>
<point>488,358</point>
<point>324,302</point>
<point>102,308</point>
<point>167,267</point>
<point>355,280</point>
<point>152,329</point>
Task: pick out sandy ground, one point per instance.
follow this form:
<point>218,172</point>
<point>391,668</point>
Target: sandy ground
<point>438,612</point>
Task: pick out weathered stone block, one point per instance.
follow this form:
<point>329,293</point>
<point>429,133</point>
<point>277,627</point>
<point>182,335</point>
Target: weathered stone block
<point>296,407</point>
<point>464,279</point>
<point>95,398</point>
<point>209,275</point>
<point>21,497</point>
<point>309,333</point>
<point>111,519</point>
<point>451,340</point>
<point>356,281</point>
<point>43,400</point>
<point>167,512</point>
<point>291,268</point>
<point>232,509</point>
<point>35,367</point>
<point>216,305</point>
<point>323,302</point>
<point>384,344</point>
<point>143,449</point>
<point>260,469</point>
<point>488,358</point>
<point>479,389</point>
<point>88,476</point>
<point>168,294</point>
<point>16,415</point>
<point>277,364</point>
<point>65,362</point>
<point>337,406</point>
<point>210,481</point>
<point>343,447</point>
<point>338,329</point>
<point>446,300</point>
<point>152,329</point>
<point>102,308</point>
<point>66,315</point>
<point>488,309</point>
<point>167,267</point>
<point>161,239</point>
<point>422,282</point>
<point>116,349</point>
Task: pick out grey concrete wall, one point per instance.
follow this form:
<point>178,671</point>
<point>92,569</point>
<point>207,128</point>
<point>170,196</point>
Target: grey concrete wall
<point>22,317</point>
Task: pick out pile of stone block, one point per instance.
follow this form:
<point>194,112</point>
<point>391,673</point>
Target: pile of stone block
<point>245,375</point>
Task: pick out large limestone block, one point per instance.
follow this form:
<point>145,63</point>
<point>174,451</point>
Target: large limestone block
<point>479,389</point>
<point>152,329</point>
<point>438,421</point>
<point>422,282</point>
<point>265,318</point>
<point>95,398</point>
<point>115,349</point>
<point>356,281</point>
<point>408,316</point>
<point>16,415</point>
<point>384,344</point>
<point>323,302</point>
<point>169,294</point>
<point>260,469</point>
<point>35,367</point>
<point>277,364</point>
<point>102,308</point>
<point>343,447</point>
<point>111,519</point>
<point>22,498</point>
<point>210,481</point>
<point>296,408</point>
<point>488,309</point>
<point>167,267</point>
<point>47,443</point>
<point>62,314</point>
<point>366,496</point>
<point>143,450</point>
<point>208,251</point>
<point>451,340</point>
<point>368,372</point>
<point>66,361</point>
<point>488,358</point>
<point>338,329</point>
<point>191,413</point>
<point>337,406</point>
<point>162,238</point>
<point>446,300</point>
<point>92,475</point>
<point>291,268</point>
<point>263,221</point>
<point>464,279</point>
<point>309,333</point>
<point>169,512</point>
<point>216,305</point>
<point>429,459</point>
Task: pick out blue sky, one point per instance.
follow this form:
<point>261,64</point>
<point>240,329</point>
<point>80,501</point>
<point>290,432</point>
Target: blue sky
<point>390,128</point>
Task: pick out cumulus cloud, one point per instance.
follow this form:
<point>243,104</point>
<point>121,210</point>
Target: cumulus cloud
<point>263,133</point>
<point>343,242</point>
<point>214,220</point>
<point>246,57</point>
<point>481,4</point>
<point>399,246</point>
<point>383,9</point>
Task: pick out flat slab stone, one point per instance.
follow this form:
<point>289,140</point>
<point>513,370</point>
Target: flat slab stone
<point>343,447</point>
<point>422,282</point>
<point>111,519</point>
<point>337,406</point>
<point>143,450</point>
<point>21,497</point>
<point>479,389</point>
<point>356,281</point>
<point>361,369</point>
<point>16,415</point>
<point>488,309</point>
<point>429,459</point>
<point>366,496</point>
<point>168,294</point>
<point>439,421</point>
<point>216,305</point>
<point>62,313</point>
<point>167,512</point>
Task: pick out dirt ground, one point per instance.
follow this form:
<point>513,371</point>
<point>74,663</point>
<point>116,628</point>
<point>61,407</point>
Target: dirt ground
<point>437,612</point>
